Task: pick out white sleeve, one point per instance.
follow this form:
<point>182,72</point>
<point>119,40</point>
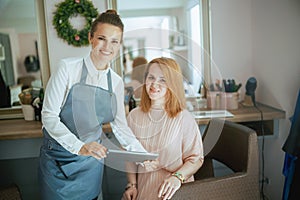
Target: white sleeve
<point>55,94</point>
<point>120,127</point>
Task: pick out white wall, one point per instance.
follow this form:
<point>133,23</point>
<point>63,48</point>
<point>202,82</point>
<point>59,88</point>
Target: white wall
<point>276,48</point>
<point>231,35</point>
<point>261,38</point>
<point>57,47</point>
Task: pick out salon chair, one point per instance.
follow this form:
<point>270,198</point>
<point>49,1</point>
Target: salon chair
<point>235,146</point>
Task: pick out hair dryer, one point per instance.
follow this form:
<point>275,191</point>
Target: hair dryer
<point>250,91</point>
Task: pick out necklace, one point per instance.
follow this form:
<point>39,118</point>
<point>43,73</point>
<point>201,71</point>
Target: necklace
<point>156,121</point>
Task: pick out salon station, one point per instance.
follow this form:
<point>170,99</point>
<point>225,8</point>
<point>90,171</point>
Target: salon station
<point>226,73</point>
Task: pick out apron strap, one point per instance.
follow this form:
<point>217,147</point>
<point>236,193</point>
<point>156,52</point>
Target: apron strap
<point>85,72</point>
<point>109,82</point>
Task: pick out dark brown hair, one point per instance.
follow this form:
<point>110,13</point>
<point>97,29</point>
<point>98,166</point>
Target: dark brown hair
<point>107,17</point>
<point>138,68</point>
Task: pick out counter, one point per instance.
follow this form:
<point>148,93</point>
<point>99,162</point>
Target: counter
<point>20,143</point>
<point>247,114</point>
<point>11,129</point>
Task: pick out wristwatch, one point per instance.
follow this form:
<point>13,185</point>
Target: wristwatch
<point>179,176</point>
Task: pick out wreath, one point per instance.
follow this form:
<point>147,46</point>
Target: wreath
<point>73,8</point>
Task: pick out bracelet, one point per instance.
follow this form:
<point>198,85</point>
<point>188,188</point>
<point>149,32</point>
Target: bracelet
<point>179,176</point>
<point>129,185</point>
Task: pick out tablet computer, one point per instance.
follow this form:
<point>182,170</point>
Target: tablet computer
<point>130,156</point>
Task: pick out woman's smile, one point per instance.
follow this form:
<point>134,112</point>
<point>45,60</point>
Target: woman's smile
<point>105,52</point>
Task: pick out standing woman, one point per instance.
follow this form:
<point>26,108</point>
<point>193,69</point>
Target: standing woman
<point>164,126</point>
<point>83,94</point>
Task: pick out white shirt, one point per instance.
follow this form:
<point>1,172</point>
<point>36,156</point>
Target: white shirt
<point>58,87</point>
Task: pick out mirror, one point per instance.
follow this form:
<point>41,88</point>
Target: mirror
<point>22,24</point>
<point>171,28</point>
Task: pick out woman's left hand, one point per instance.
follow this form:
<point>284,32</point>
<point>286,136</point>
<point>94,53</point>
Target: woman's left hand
<point>169,187</point>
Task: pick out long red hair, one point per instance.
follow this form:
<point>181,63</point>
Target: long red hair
<point>175,96</point>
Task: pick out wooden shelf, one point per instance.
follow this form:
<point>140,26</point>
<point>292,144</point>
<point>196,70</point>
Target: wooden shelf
<point>248,114</point>
<point>11,113</point>
<point>11,129</point>
<point>251,117</point>
<point>19,129</point>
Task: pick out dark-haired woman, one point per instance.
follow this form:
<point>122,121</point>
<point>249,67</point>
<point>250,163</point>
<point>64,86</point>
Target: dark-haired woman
<point>80,96</point>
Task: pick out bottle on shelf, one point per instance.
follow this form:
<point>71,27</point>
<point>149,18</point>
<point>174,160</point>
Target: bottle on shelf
<point>41,95</point>
<point>202,90</point>
<point>132,102</point>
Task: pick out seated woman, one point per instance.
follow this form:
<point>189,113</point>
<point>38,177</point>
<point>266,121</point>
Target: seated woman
<point>163,125</point>
<point>137,75</point>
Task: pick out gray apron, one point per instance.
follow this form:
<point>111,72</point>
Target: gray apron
<point>63,175</point>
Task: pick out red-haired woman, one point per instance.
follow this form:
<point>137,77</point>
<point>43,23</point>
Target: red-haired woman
<point>163,126</point>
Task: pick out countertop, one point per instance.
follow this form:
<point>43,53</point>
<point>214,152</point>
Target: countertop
<point>11,129</point>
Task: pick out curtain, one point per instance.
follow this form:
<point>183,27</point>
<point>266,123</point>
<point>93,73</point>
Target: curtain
<point>291,167</point>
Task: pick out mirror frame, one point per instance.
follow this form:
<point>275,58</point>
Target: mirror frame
<point>42,41</point>
<point>205,5</point>
<point>15,113</point>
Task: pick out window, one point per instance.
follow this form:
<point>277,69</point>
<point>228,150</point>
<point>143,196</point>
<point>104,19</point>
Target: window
<point>196,56</point>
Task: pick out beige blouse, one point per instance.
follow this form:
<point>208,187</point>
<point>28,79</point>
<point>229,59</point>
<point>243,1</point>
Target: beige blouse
<point>177,140</point>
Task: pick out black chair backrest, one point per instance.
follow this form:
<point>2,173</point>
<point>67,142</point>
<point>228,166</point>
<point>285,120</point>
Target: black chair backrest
<point>228,143</point>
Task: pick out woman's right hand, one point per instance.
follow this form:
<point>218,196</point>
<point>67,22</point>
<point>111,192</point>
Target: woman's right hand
<point>94,149</point>
<point>130,194</point>
<point>151,165</point>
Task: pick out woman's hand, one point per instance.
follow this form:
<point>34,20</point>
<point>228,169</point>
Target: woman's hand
<point>169,187</point>
<point>94,149</point>
<point>150,165</point>
<point>130,194</point>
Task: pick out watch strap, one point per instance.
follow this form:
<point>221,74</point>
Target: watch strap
<point>179,176</point>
